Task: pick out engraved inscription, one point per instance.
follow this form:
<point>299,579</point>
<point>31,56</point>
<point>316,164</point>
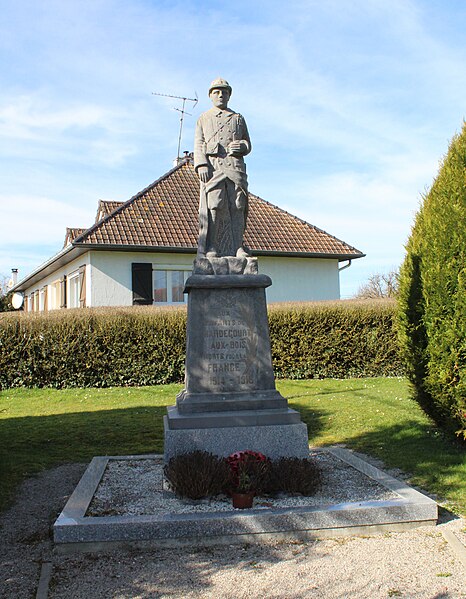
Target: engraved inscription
<point>229,349</point>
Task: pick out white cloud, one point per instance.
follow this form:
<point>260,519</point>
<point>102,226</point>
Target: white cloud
<point>39,128</point>
<point>26,117</point>
<point>37,220</point>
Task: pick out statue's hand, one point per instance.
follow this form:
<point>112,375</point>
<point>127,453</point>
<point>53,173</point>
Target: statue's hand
<point>203,173</point>
<point>237,148</point>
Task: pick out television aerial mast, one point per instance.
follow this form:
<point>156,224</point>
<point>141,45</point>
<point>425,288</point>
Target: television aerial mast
<point>183,112</point>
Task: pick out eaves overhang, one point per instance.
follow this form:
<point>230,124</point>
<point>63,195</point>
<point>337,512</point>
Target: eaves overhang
<point>63,257</point>
<point>339,257</point>
<point>193,250</point>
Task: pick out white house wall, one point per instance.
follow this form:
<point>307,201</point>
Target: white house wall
<point>109,276</point>
<point>301,279</point>
<point>111,273</point>
<point>294,279</point>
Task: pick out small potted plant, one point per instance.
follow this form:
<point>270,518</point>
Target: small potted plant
<point>243,492</point>
<point>249,470</point>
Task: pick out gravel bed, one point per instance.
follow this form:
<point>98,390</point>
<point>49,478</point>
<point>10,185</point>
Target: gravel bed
<point>414,564</point>
<point>137,487</point>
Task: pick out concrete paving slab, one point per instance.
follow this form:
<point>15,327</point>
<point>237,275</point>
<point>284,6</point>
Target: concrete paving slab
<point>73,530</point>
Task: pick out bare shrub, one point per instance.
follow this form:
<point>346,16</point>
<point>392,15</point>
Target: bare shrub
<point>197,474</point>
<point>295,475</point>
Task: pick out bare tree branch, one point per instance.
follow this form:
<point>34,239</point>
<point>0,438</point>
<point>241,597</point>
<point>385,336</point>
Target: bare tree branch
<point>379,285</point>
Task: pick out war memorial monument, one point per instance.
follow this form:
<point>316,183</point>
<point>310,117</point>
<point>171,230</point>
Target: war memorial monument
<point>229,402</point>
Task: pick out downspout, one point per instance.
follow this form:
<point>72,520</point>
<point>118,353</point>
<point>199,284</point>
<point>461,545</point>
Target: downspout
<point>346,266</point>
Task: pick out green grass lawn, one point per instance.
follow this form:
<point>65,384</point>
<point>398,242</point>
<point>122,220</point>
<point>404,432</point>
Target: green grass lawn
<point>41,428</point>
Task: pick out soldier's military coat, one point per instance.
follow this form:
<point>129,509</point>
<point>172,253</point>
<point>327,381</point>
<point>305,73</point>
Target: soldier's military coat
<point>215,130</point>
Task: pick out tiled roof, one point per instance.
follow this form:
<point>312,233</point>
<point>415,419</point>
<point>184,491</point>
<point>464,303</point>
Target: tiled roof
<point>165,215</point>
<point>105,208</point>
<point>71,234</point>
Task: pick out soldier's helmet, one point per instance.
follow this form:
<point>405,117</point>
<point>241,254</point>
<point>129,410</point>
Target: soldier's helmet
<point>220,84</point>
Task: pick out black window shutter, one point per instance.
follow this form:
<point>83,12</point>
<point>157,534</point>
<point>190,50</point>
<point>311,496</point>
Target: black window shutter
<point>142,283</point>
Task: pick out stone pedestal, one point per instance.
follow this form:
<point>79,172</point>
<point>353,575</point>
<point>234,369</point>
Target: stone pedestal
<point>230,402</point>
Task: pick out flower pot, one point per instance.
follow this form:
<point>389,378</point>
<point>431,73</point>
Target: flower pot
<point>242,500</point>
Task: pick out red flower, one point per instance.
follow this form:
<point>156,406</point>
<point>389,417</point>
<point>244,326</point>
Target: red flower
<point>243,457</point>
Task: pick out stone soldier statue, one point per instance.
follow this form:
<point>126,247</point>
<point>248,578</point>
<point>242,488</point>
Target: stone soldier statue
<point>220,142</point>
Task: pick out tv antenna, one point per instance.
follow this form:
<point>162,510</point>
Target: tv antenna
<point>182,111</point>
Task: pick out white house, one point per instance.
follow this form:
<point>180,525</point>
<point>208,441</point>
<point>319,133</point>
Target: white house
<point>141,252</point>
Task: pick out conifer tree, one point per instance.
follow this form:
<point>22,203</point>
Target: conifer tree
<point>432,295</point>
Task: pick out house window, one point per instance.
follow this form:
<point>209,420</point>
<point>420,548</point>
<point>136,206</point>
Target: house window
<point>55,295</point>
<point>73,289</point>
<point>43,299</point>
<point>160,286</point>
<point>169,285</point>
<point>177,285</point>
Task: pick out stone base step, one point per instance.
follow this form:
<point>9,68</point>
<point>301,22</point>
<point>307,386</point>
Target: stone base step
<point>237,418</point>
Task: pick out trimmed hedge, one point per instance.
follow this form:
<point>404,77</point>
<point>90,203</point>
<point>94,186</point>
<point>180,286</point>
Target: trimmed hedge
<point>92,347</point>
<point>146,345</point>
<point>345,339</point>
<point>432,295</point>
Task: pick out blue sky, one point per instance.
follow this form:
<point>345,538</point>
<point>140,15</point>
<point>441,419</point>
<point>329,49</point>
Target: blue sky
<point>350,105</point>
